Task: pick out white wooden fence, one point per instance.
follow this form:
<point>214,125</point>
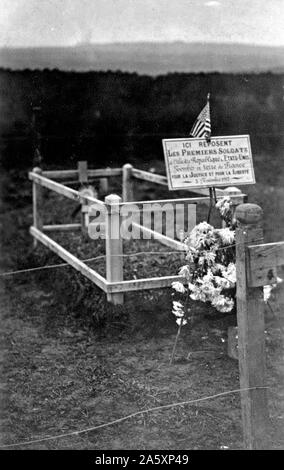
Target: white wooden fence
<point>114,285</point>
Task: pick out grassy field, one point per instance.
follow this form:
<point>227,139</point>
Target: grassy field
<point>71,361</point>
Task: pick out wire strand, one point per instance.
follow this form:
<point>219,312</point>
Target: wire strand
<point>124,255</point>
<point>59,265</point>
<point>132,415</point>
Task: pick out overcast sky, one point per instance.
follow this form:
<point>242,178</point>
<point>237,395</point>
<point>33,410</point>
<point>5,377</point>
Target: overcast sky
<point>67,22</point>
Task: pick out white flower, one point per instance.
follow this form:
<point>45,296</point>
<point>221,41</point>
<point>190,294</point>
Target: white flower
<point>179,320</point>
<point>203,227</point>
<point>222,201</point>
<point>198,294</point>
<point>224,205</point>
<point>191,254</point>
<point>222,282</point>
<point>185,272</point>
<point>227,235</point>
<point>230,273</point>
<point>217,267</point>
<point>191,286</point>
<point>178,313</point>
<point>209,256</point>
<point>177,304</point>
<point>177,309</point>
<point>178,287</point>
<point>207,279</point>
<point>222,303</point>
<point>209,276</point>
<point>267,292</point>
<point>200,236</point>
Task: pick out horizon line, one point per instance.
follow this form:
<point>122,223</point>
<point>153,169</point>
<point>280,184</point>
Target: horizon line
<point>137,42</point>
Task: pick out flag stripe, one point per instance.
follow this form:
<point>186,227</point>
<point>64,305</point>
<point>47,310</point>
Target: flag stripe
<point>202,125</point>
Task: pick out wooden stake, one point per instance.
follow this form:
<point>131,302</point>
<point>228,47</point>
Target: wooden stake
<point>37,205</point>
<point>127,183</point>
<point>251,338</point>
<point>114,246</point>
<point>83,180</point>
<point>83,172</point>
<point>104,184</point>
<point>103,187</point>
<point>211,205</point>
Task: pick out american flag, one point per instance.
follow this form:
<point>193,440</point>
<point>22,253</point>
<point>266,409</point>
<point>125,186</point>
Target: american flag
<point>202,125</point>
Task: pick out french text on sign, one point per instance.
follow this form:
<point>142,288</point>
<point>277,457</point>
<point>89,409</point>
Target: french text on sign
<point>198,163</point>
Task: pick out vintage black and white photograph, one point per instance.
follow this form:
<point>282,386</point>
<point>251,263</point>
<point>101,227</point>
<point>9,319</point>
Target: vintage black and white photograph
<point>142,227</point>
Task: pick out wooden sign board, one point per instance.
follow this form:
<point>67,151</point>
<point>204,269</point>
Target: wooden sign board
<point>198,163</point>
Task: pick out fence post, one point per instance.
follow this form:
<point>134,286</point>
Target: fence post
<point>114,246</point>
<point>103,185</point>
<point>127,183</point>
<point>83,172</point>
<point>83,180</point>
<point>251,338</point>
<point>37,205</point>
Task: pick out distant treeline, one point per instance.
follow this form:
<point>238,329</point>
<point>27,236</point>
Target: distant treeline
<point>113,117</point>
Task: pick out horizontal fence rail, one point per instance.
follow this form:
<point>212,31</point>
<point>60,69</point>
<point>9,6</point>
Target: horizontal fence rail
<point>236,199</point>
<point>64,174</point>
<point>142,284</point>
<point>61,189</point>
<point>54,186</point>
<point>151,177</point>
<point>61,174</point>
<point>88,272</point>
<point>61,227</point>
<point>167,241</point>
<point>163,181</point>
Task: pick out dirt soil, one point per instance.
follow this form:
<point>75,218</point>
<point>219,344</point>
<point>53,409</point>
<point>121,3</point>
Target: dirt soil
<point>70,361</point>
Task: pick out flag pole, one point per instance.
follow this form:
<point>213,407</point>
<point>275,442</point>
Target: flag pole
<point>212,190</point>
<point>202,128</point>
